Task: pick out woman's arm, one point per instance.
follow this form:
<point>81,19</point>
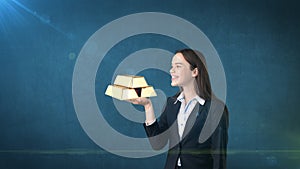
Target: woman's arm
<point>149,111</point>
<point>219,142</point>
<point>155,130</point>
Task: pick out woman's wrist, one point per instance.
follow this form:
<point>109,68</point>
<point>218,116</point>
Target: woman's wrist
<point>148,105</point>
<point>150,117</point>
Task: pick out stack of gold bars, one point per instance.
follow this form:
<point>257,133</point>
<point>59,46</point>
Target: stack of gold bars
<point>127,87</point>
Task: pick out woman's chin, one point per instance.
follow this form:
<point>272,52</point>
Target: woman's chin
<point>173,84</point>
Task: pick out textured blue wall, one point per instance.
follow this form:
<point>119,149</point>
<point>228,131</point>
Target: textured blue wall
<point>40,40</point>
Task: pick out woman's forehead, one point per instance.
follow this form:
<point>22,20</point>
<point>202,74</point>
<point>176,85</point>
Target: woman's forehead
<point>178,59</point>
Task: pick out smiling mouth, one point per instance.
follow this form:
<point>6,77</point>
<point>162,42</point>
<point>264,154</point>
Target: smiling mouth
<point>174,77</point>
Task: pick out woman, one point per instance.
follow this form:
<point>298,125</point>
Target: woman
<point>185,115</point>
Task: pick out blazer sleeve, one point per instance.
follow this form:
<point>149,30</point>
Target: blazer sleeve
<point>219,142</point>
<point>158,132</point>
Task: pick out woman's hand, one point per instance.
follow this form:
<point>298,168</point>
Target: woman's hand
<point>141,101</point>
<point>146,102</point>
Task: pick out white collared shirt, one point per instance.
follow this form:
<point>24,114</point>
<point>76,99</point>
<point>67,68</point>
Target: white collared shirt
<point>184,113</point>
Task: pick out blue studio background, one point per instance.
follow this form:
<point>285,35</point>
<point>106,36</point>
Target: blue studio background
<point>257,42</point>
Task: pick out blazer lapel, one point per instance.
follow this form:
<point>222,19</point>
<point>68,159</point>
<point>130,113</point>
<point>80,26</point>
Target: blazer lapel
<point>191,120</point>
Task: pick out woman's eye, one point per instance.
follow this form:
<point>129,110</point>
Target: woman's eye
<point>176,66</point>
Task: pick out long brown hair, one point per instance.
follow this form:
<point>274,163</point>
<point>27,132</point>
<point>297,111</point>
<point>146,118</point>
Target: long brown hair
<point>197,60</point>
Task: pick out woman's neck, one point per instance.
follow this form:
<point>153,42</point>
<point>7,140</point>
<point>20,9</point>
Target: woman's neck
<point>189,94</point>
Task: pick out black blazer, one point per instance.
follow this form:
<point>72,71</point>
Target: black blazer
<point>210,154</point>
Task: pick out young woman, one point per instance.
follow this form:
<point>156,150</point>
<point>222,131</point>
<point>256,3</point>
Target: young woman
<point>185,115</point>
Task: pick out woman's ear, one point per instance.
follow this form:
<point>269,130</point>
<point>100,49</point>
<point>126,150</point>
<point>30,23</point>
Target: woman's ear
<point>195,72</point>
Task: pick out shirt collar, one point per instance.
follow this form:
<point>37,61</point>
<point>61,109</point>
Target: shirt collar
<point>198,98</point>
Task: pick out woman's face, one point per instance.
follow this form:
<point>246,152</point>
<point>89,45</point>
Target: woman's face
<point>181,73</point>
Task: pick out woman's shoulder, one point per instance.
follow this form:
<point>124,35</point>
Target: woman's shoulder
<point>215,102</point>
<point>219,109</point>
<point>173,99</point>
<point>217,105</point>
